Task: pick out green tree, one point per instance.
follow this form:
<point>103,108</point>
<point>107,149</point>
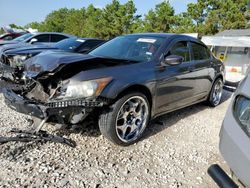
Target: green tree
<point>1,31</point>
<point>55,21</point>
<point>197,12</point>
<point>183,24</point>
<point>160,19</point>
<point>117,19</point>
<point>212,16</point>
<point>93,26</point>
<point>75,22</point>
<point>14,26</point>
<point>36,25</point>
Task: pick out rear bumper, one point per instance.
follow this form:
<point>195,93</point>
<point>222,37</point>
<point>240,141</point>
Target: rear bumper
<point>53,108</point>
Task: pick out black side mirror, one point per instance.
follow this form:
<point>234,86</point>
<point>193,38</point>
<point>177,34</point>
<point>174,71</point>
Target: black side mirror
<point>173,60</point>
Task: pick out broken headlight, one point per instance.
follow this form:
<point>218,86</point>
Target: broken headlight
<point>242,113</point>
<point>18,60</point>
<point>84,89</point>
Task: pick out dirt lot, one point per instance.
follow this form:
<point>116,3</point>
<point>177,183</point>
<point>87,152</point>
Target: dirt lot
<point>175,152</point>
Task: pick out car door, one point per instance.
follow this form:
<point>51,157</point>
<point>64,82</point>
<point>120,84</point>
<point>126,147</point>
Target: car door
<point>56,38</point>
<point>202,65</point>
<point>40,39</point>
<point>175,83</point>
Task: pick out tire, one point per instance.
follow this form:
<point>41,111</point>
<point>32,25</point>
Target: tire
<point>214,98</point>
<point>124,122</point>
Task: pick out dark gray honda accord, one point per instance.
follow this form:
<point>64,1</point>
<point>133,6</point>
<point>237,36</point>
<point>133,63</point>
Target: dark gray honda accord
<point>124,83</point>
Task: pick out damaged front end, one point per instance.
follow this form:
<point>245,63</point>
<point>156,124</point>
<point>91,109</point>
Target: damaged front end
<point>62,103</point>
<point>56,92</point>
<point>11,71</point>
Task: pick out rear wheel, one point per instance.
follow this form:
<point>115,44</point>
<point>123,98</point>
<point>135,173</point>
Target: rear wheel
<point>125,121</point>
<point>216,93</point>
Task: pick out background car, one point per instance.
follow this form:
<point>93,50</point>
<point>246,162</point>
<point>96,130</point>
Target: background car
<point>73,44</point>
<point>235,138</point>
<point>38,38</point>
<point>16,58</point>
<point>10,36</point>
<point>125,82</point>
<point>47,38</point>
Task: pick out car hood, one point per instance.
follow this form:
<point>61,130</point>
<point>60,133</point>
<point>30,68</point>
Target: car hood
<point>8,42</point>
<point>29,50</point>
<point>11,46</point>
<point>54,61</point>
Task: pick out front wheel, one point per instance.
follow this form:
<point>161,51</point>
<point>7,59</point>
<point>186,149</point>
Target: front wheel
<point>125,121</point>
<point>215,95</point>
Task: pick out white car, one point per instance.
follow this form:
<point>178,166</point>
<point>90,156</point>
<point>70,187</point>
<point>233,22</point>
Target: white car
<point>235,139</point>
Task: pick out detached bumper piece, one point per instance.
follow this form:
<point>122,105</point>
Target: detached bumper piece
<point>41,136</point>
<point>25,106</point>
<point>36,134</point>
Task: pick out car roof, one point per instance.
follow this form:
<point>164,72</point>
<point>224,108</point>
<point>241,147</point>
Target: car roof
<point>90,39</point>
<point>169,36</point>
<point>164,35</point>
<point>65,34</point>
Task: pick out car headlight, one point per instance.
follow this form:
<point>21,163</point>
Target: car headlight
<point>91,88</point>
<point>18,60</point>
<point>242,113</point>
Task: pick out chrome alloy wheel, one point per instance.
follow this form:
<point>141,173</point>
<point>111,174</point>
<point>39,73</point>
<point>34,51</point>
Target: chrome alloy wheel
<point>217,92</point>
<point>132,119</point>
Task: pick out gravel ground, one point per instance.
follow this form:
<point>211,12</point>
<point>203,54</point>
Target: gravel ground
<point>175,152</point>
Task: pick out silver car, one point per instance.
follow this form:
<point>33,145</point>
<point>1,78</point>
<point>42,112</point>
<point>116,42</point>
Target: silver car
<point>235,139</point>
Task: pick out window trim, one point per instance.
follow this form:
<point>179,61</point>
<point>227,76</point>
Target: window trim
<point>192,51</point>
<point>175,42</point>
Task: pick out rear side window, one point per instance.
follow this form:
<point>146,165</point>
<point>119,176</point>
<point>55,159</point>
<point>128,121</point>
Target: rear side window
<point>8,37</point>
<point>42,38</point>
<point>200,52</point>
<point>180,49</point>
<point>89,45</point>
<point>57,38</point>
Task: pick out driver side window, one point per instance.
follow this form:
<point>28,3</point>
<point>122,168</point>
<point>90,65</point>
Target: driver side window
<point>180,49</point>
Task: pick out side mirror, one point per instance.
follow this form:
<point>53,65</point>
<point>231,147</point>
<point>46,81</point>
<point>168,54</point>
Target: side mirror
<point>34,40</point>
<point>173,60</point>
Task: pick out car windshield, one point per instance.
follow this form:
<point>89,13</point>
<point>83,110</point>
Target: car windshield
<point>23,37</point>
<point>131,48</point>
<point>69,44</point>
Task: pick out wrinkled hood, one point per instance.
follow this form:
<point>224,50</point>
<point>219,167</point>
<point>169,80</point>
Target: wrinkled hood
<point>51,61</point>
<point>30,49</point>
<point>8,42</point>
<point>12,46</point>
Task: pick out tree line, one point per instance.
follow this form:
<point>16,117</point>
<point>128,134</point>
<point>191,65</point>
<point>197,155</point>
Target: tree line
<point>203,17</point>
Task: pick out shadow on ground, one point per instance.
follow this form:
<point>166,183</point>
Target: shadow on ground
<point>163,122</point>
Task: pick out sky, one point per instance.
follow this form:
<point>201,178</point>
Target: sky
<point>22,12</point>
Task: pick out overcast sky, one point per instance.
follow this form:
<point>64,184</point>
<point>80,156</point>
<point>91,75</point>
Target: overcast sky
<point>22,12</point>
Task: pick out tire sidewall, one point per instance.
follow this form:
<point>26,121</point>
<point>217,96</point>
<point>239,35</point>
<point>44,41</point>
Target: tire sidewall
<point>211,101</point>
<point>113,112</point>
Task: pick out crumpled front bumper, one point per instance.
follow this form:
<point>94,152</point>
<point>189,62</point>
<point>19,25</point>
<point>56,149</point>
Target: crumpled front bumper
<point>60,108</point>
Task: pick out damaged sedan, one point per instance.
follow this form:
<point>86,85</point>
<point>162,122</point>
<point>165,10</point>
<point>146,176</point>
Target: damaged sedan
<point>123,83</point>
